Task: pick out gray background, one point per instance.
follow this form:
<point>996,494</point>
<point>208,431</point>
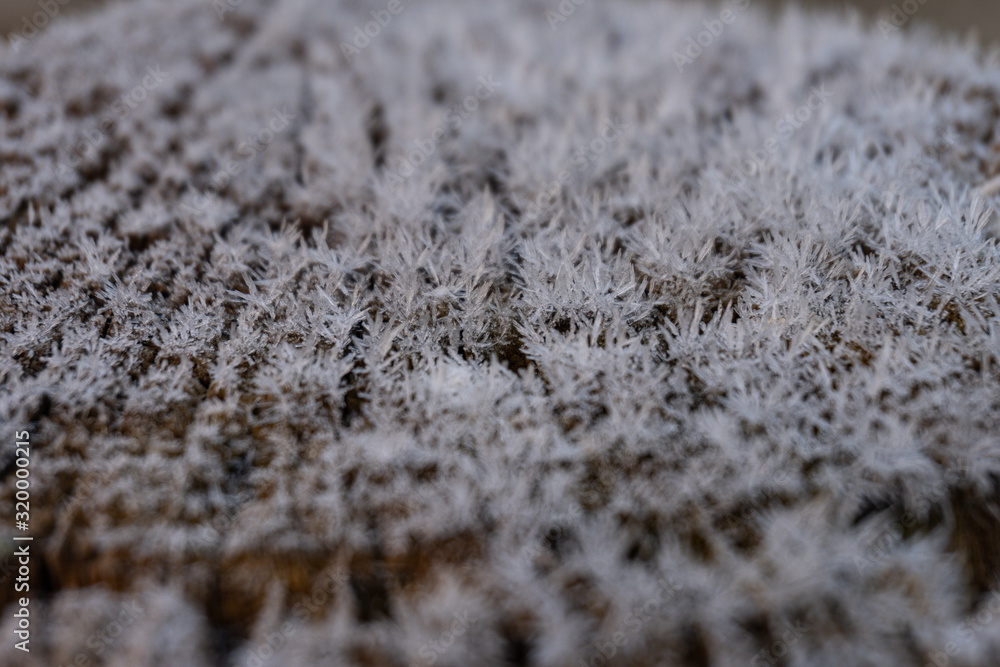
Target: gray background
<point>956,16</point>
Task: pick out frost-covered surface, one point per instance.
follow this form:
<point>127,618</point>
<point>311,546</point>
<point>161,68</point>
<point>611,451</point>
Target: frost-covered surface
<point>680,414</point>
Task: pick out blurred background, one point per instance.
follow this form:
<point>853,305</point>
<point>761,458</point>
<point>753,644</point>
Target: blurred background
<point>982,17</point>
